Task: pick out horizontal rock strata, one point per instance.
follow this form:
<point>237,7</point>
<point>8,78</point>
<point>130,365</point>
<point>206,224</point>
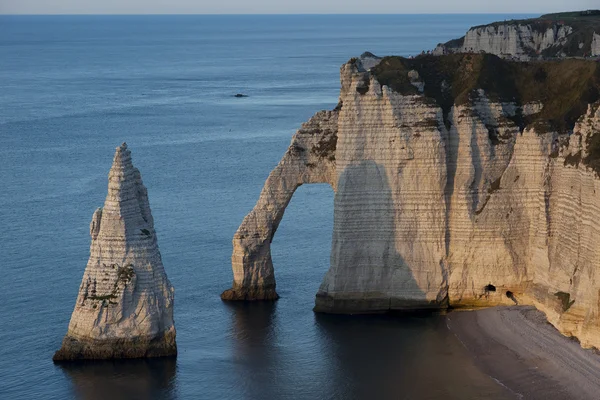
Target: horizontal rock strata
<point>310,158</point>
<point>596,44</point>
<point>453,192</point>
<point>124,307</point>
<point>552,35</point>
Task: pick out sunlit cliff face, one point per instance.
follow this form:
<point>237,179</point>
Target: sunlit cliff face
<point>453,175</point>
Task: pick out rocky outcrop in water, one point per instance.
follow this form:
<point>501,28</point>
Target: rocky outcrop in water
<point>460,181</point>
<point>552,35</point>
<point>124,308</point>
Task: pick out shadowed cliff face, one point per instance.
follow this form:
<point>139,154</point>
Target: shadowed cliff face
<point>367,272</point>
<point>445,191</point>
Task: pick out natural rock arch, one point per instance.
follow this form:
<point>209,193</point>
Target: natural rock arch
<point>434,202</point>
<point>310,158</point>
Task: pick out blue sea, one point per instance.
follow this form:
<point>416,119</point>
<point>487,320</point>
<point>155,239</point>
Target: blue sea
<point>72,88</point>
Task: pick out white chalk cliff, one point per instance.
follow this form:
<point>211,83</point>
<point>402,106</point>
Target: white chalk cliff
<point>549,36</point>
<point>124,308</point>
<point>309,159</point>
<point>471,203</point>
<point>596,44</point>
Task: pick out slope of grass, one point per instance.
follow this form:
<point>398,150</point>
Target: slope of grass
<point>576,19</point>
<point>584,24</point>
<point>565,87</point>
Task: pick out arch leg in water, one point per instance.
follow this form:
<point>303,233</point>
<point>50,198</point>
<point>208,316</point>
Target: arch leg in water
<point>310,158</point>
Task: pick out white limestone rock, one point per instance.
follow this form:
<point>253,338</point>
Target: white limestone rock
<point>520,41</point>
<point>367,60</point>
<point>527,39</point>
<point>310,158</point>
<point>416,81</point>
<point>596,44</point>
<point>124,308</point>
<point>435,208</point>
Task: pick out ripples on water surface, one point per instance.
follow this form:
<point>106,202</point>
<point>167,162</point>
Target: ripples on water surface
<point>73,88</point>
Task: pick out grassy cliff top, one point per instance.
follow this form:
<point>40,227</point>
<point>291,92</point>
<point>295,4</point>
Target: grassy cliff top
<point>578,43</point>
<point>576,19</point>
<point>578,15</point>
<point>565,87</point>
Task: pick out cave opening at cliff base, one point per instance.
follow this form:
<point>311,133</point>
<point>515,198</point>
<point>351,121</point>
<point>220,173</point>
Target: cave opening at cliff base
<point>512,296</point>
<point>490,288</point>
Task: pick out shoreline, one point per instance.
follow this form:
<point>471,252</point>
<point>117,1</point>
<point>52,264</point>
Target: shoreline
<point>518,348</point>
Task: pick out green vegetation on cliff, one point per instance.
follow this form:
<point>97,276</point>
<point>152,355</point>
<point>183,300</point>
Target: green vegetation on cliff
<point>577,43</point>
<point>565,87</point>
<point>576,19</point>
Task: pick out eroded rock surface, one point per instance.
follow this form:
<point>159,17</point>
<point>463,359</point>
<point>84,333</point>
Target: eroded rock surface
<point>124,307</point>
<point>551,35</point>
<point>467,190</point>
<point>596,44</point>
<point>310,158</point>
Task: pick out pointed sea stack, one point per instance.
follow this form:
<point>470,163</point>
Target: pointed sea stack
<point>125,304</point>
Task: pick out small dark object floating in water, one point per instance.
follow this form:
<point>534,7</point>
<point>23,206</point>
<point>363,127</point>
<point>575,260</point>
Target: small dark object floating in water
<point>240,95</point>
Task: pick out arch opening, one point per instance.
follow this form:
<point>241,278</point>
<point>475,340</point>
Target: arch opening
<point>310,158</point>
<point>302,245</point>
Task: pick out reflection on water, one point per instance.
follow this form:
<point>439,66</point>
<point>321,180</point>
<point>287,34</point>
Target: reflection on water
<point>274,353</point>
<point>123,379</point>
<point>400,357</point>
<point>255,355</point>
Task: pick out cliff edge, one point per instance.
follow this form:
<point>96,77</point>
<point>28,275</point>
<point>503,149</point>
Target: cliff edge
<point>124,308</point>
<point>460,181</point>
<point>570,34</point>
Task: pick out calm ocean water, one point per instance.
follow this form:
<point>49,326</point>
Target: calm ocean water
<point>73,88</point>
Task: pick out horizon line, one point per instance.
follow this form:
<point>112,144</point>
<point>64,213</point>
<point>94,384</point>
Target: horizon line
<point>267,14</point>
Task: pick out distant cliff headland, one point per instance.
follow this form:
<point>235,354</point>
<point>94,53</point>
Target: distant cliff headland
<point>461,180</point>
<point>570,34</point>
